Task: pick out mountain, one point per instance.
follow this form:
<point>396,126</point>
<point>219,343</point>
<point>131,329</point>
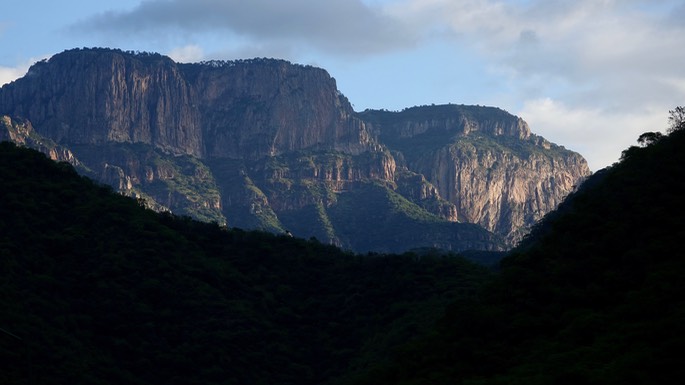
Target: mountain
<point>484,161</point>
<point>594,295</point>
<point>270,145</point>
<point>96,289</point>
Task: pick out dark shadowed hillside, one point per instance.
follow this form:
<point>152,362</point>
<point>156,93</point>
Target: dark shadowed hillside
<point>95,289</point>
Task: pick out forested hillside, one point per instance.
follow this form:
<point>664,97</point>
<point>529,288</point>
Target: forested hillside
<point>95,289</point>
<point>594,295</point>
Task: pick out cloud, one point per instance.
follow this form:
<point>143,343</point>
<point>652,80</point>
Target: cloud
<point>580,44</point>
<point>9,74</point>
<point>582,50</point>
<point>333,26</point>
<point>187,54</point>
<point>589,74</point>
<point>598,135</point>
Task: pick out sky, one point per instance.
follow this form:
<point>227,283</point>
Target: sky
<point>591,75</point>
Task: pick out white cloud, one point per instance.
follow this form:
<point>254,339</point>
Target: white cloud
<point>9,74</point>
<point>334,26</point>
<point>187,54</point>
<point>613,48</point>
<point>599,135</point>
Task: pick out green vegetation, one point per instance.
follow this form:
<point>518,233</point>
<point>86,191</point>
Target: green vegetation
<point>312,218</point>
<point>264,218</point>
<point>409,182</point>
<point>522,149</point>
<point>439,112</point>
<point>192,182</point>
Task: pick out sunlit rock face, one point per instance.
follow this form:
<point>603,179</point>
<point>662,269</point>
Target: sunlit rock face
<point>21,132</point>
<point>483,160</point>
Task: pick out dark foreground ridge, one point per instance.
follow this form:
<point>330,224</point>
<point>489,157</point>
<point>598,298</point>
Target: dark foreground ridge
<point>98,290</point>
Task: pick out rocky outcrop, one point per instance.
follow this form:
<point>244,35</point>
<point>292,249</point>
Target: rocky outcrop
<point>483,160</point>
<point>256,108</point>
<point>181,184</point>
<point>504,192</point>
<point>99,96</point>
<point>445,120</point>
<point>21,132</point>
<point>215,112</point>
<point>420,191</point>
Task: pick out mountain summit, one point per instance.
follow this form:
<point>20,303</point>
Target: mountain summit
<point>267,144</point>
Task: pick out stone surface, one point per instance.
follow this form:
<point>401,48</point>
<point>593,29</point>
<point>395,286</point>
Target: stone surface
<point>483,160</point>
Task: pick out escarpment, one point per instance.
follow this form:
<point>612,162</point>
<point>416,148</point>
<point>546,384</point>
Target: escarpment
<point>257,108</point>
<point>267,144</point>
<point>483,160</point>
<point>99,96</point>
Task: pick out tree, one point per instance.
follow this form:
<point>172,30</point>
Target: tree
<point>649,138</point>
<point>676,121</point>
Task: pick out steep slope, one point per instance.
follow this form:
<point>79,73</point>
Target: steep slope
<point>23,133</point>
<point>267,144</point>
<point>99,96</point>
<point>160,180</point>
<point>96,290</point>
<point>594,295</point>
<point>483,160</point>
<point>256,108</point>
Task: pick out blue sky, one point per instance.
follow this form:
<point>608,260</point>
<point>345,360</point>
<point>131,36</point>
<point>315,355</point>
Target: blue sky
<point>589,75</point>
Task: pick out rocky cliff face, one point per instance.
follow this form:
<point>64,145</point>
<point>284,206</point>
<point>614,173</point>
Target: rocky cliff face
<point>216,112</point>
<point>100,96</point>
<point>256,108</point>
<point>22,133</point>
<point>162,181</point>
<point>484,161</point>
<point>165,182</point>
<point>268,144</point>
<point>504,192</point>
<point>245,109</point>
